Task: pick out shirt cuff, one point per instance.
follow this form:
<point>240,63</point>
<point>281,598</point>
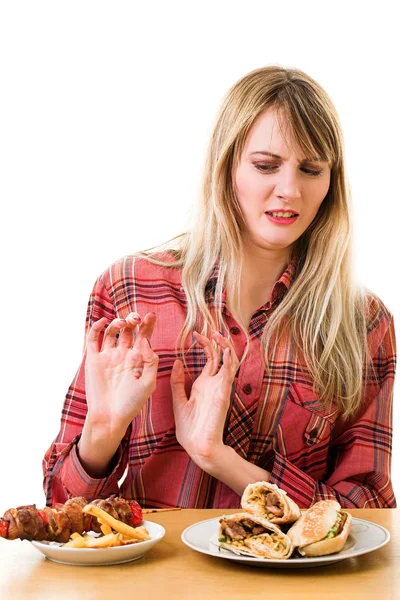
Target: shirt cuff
<point>77,482</point>
<point>297,484</point>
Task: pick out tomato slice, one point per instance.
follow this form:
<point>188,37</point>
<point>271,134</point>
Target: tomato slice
<point>42,515</point>
<point>137,514</point>
<point>3,528</point>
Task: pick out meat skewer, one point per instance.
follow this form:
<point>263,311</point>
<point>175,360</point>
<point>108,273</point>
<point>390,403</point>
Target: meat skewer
<point>58,523</point>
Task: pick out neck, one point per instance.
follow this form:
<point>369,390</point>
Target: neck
<point>261,269</point>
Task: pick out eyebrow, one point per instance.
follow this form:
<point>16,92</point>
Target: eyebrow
<point>266,153</point>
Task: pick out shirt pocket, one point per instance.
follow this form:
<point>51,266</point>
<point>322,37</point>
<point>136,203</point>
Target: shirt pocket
<point>304,431</point>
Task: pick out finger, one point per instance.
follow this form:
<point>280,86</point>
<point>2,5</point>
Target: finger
<point>110,335</point>
<point>147,327</point>
<point>223,342</point>
<point>93,337</point>
<point>212,355</point>
<point>149,365</point>
<point>126,338</point>
<point>133,318</point>
<point>226,374</point>
<point>177,382</point>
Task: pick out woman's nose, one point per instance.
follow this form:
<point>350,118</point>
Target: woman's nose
<point>287,186</point>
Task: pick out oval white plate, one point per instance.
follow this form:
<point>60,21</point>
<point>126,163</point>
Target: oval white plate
<point>101,556</point>
<point>364,537</point>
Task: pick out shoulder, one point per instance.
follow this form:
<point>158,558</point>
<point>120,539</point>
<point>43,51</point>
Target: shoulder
<point>376,312</point>
<point>379,320</point>
<point>135,270</point>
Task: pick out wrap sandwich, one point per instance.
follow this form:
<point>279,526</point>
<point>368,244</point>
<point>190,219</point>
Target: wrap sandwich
<point>322,529</point>
<point>246,534</point>
<point>267,500</point>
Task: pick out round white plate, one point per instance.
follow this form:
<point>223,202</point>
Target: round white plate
<point>101,556</point>
<point>364,537</point>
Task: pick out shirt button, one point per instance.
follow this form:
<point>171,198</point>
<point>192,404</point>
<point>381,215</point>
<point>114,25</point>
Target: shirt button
<point>247,389</point>
<point>313,433</point>
<point>235,330</point>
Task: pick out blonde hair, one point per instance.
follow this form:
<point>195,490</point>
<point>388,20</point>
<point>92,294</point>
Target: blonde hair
<point>323,310</point>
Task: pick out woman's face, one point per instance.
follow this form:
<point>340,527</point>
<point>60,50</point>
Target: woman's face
<point>279,190</point>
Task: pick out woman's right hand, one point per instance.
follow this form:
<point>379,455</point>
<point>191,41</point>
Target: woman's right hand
<point>121,375</point>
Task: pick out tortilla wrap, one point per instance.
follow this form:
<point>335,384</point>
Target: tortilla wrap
<point>248,535</point>
<point>266,500</point>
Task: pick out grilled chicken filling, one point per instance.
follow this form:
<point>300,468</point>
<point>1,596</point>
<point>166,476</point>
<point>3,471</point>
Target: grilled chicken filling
<point>242,534</point>
<point>271,502</point>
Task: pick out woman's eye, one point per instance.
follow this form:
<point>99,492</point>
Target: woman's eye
<point>312,173</point>
<point>265,168</point>
<point>272,168</point>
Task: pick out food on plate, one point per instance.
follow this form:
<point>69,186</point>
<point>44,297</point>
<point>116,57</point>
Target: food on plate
<point>115,532</point>
<point>267,500</point>
<point>59,523</point>
<point>109,523</point>
<point>243,533</point>
<point>323,529</point>
<point>103,541</point>
<point>127,511</point>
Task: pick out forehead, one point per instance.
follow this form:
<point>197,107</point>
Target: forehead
<point>271,132</point>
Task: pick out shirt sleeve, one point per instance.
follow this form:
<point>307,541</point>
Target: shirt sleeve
<point>64,476</point>
<point>360,453</point>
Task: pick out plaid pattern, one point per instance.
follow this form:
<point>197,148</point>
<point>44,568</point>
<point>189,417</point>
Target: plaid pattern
<point>274,420</point>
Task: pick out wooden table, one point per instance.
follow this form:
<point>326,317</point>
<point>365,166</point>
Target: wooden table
<point>171,570</point>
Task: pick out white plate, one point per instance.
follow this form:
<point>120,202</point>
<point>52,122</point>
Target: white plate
<point>364,537</point>
<point>101,556</point>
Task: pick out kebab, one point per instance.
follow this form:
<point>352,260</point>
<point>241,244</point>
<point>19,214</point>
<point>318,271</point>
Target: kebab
<point>250,535</point>
<point>59,523</point>
<point>266,500</point>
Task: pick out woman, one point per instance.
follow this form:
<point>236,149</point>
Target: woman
<point>242,350</point>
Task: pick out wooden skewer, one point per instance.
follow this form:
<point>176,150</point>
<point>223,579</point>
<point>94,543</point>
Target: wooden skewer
<point>153,510</point>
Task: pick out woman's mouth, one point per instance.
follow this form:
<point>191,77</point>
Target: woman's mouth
<point>282,217</point>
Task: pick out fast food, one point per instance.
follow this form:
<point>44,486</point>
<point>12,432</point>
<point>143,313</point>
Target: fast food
<point>140,534</point>
<point>116,533</point>
<point>103,541</point>
<point>266,500</point>
<point>59,523</point>
<point>323,529</point>
<point>243,533</point>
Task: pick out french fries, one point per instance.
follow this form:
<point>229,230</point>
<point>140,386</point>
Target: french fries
<point>105,529</point>
<point>140,534</point>
<point>115,533</point>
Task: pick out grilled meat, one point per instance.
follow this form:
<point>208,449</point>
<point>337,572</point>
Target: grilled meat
<point>58,523</point>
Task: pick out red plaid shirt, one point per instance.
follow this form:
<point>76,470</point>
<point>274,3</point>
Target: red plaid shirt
<point>275,420</point>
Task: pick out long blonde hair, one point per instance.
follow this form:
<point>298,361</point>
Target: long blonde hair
<point>324,310</point>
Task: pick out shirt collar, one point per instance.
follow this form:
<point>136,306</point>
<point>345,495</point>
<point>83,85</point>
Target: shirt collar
<point>280,288</point>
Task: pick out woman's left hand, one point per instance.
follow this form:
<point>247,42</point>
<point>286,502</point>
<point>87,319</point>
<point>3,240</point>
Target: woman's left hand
<point>200,420</point>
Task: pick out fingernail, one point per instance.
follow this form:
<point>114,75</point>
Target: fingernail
<point>137,318</point>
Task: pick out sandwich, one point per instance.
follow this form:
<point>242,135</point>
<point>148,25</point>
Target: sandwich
<point>267,500</point>
<point>322,529</point>
<point>248,535</point>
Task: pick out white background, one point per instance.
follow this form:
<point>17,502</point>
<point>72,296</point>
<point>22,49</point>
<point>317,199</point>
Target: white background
<point>105,113</point>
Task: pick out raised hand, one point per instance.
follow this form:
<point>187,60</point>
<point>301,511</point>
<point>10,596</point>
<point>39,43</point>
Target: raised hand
<point>200,420</point>
<point>121,375</point>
